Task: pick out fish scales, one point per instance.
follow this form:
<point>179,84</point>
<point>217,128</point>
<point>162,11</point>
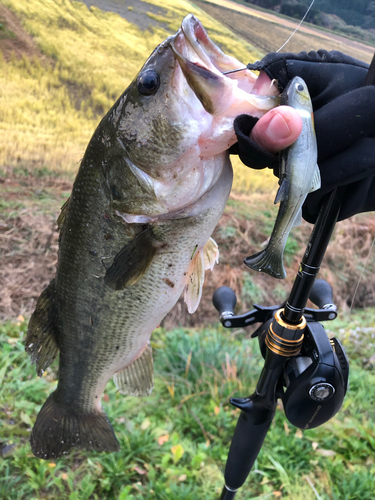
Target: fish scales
<point>135,233</point>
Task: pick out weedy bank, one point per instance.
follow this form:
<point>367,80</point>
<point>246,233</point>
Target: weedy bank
<point>174,443</point>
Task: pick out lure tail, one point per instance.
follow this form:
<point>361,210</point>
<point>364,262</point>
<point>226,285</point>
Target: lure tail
<point>267,261</point>
<point>58,429</point>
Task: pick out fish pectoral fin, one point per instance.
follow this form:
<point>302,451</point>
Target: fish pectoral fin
<point>42,335</point>
<point>316,182</point>
<point>282,192</point>
<point>58,429</point>
<point>210,254</point>
<point>298,219</point>
<point>194,280</point>
<point>132,261</point>
<point>137,379</point>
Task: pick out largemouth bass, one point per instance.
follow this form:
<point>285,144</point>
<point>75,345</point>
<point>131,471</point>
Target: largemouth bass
<point>135,233</point>
<point>299,174</point>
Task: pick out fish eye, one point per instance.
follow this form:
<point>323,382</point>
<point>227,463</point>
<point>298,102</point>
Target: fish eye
<point>299,87</point>
<point>148,82</point>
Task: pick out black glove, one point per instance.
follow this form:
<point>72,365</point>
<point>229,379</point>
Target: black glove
<point>344,112</point>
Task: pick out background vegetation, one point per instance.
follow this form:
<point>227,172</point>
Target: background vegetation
<point>62,65</point>
<point>174,443</point>
<point>351,17</point>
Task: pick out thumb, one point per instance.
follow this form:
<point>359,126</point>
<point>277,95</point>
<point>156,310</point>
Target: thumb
<point>277,129</point>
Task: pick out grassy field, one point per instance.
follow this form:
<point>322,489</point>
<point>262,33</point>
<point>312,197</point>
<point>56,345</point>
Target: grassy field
<point>174,444</point>
<point>83,60</point>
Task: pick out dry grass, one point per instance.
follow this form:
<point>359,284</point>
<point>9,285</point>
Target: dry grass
<point>28,251</point>
<point>59,83</point>
<point>268,32</point>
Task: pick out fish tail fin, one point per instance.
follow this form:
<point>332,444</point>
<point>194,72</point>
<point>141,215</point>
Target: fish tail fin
<point>58,429</point>
<point>268,262</point>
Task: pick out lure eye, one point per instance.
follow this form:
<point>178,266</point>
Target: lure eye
<point>299,87</point>
<point>148,82</point>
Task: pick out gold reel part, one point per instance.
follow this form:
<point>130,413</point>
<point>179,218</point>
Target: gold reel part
<point>280,345</point>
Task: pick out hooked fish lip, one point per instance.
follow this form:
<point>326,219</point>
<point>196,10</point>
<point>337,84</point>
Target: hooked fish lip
<point>191,35</point>
<point>191,44</point>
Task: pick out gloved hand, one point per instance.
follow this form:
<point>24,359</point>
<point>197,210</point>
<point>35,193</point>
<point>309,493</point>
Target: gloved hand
<point>344,112</point>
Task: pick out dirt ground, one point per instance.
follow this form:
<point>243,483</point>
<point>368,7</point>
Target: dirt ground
<point>131,10</point>
<point>18,41</point>
<point>30,204</point>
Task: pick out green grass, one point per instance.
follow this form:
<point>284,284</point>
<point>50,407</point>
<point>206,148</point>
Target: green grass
<point>174,444</point>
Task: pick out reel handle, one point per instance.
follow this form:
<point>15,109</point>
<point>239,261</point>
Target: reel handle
<point>322,295</point>
<point>224,300</point>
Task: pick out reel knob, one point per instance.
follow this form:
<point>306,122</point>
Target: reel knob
<point>322,295</point>
<point>224,300</point>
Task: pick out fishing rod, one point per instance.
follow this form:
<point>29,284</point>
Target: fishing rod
<point>305,369</point>
<point>302,366</point>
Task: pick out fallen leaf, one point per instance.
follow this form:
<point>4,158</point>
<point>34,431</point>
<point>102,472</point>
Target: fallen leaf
<point>178,452</point>
<point>64,476</point>
<point>140,471</point>
<point>51,465</point>
<point>326,453</point>
<point>163,439</point>
<point>216,410</point>
<point>145,424</point>
<point>106,398</point>
<point>182,477</point>
<point>315,445</point>
<point>277,493</point>
<point>26,419</point>
<point>299,434</point>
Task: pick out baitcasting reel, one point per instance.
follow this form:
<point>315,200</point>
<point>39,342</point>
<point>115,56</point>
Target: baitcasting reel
<point>314,382</point>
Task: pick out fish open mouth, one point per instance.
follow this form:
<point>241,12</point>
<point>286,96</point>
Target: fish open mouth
<point>204,66</point>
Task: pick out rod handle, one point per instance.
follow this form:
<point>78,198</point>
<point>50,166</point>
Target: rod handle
<point>322,294</point>
<point>224,300</point>
<point>251,430</point>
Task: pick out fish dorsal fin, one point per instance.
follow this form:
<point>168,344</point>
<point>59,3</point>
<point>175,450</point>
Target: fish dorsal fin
<point>62,216</point>
<point>316,182</point>
<point>132,261</point>
<point>137,379</point>
<point>210,254</point>
<point>42,335</point>
<point>298,219</point>
<point>282,192</point>
<point>194,280</point>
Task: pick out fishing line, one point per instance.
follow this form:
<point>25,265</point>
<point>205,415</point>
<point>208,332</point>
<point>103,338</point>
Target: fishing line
<point>292,35</point>
<point>360,278</point>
